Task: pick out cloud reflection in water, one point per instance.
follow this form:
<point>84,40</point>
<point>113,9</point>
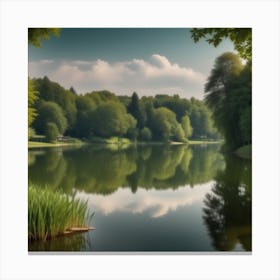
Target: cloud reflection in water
<point>156,202</point>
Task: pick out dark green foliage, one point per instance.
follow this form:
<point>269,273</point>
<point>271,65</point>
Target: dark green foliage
<point>228,89</point>
<point>35,35</point>
<point>73,90</point>
<point>50,112</point>
<point>241,38</point>
<point>97,170</point>
<point>111,119</point>
<point>103,114</point>
<point>51,91</point>
<point>51,132</point>
<point>228,95</point>
<point>145,134</point>
<point>245,124</point>
<point>85,107</point>
<point>178,105</point>
<point>136,111</point>
<point>228,207</point>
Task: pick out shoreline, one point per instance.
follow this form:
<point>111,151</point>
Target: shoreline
<point>33,145</point>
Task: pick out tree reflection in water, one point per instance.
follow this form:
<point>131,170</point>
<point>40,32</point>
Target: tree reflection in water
<point>228,208</point>
<point>95,169</point>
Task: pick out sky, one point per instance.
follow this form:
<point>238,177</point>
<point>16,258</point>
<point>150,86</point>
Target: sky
<point>148,61</point>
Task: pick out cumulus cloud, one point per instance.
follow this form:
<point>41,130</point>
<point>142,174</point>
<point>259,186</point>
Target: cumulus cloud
<point>157,75</point>
<point>156,203</point>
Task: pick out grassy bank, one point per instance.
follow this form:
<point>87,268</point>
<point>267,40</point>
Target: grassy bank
<point>199,142</point>
<point>34,144</point>
<point>245,151</point>
<point>51,213</point>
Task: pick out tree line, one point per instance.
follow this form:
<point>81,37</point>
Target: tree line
<point>54,110</point>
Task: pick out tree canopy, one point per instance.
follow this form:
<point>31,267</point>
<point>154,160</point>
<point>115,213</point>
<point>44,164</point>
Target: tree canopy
<point>241,38</point>
<point>35,35</point>
<point>229,86</point>
<point>228,95</point>
<point>104,114</point>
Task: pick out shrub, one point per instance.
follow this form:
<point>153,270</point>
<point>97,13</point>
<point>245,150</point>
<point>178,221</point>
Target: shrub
<point>145,134</point>
<point>51,132</point>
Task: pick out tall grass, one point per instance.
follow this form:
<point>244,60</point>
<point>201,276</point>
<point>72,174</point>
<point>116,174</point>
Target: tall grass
<point>51,213</point>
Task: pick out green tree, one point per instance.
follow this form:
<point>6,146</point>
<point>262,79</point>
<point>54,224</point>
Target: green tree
<point>32,113</point>
<point>164,125</point>
<point>51,91</point>
<point>145,134</point>
<point>85,107</point>
<point>51,132</point>
<point>50,112</point>
<point>73,90</point>
<point>241,38</point>
<point>246,125</point>
<point>32,97</point>
<point>135,110</point>
<point>220,98</point>
<point>111,119</point>
<point>35,35</point>
<point>186,125</point>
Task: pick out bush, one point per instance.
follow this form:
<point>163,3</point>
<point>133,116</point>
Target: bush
<point>179,134</point>
<point>51,132</point>
<point>145,134</point>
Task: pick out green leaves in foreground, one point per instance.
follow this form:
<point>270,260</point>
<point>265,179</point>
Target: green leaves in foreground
<point>50,213</point>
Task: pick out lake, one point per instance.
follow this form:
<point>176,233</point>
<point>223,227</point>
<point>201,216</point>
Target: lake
<point>156,198</point>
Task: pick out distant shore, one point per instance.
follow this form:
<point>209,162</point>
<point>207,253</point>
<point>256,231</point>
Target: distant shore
<point>34,144</point>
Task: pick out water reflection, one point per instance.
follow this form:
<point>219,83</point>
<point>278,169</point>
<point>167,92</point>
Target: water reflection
<point>151,198</point>
<point>97,170</point>
<point>156,203</point>
<point>227,211</point>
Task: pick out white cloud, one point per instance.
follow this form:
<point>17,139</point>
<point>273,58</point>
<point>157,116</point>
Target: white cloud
<point>156,202</point>
<point>156,76</point>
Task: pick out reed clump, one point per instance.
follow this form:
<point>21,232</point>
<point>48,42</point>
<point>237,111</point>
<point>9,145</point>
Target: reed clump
<point>52,213</point>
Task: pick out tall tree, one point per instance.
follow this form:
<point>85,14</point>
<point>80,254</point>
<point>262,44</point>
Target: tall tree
<point>219,97</point>
<point>186,125</point>
<point>136,111</point>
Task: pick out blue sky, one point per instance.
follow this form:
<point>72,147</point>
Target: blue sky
<point>146,60</point>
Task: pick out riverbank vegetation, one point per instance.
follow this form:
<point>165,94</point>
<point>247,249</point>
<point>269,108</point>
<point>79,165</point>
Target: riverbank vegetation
<point>103,115</point>
<point>229,87</point>
<point>50,213</point>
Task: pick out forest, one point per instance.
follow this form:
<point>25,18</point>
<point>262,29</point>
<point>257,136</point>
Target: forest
<point>96,115</point>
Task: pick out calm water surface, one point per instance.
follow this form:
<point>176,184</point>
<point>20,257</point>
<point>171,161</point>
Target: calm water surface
<point>151,198</point>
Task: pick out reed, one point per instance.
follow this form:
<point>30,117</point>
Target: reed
<point>51,213</point>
